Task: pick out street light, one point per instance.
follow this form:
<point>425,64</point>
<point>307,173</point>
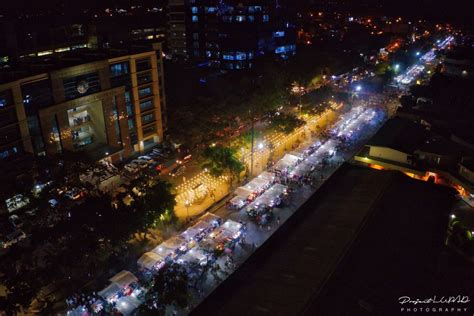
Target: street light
<point>397,67</point>
<point>187,204</point>
<point>358,88</point>
<point>260,146</point>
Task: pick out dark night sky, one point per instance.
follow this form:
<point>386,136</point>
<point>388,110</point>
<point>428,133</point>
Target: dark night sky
<point>452,9</point>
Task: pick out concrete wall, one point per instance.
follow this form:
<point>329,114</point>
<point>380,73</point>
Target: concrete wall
<point>389,154</point>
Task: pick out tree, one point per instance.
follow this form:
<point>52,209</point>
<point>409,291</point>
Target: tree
<point>169,287</point>
<point>220,160</point>
<point>286,122</point>
<point>155,206</point>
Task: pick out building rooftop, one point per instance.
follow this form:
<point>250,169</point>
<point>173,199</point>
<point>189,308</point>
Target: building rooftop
<point>466,216</point>
<point>461,53</point>
<point>442,146</point>
<point>358,235</point>
<point>30,66</point>
<point>400,134</point>
<point>468,163</point>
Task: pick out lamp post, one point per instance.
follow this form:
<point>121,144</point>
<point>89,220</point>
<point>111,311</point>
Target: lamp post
<point>252,146</point>
<point>187,204</point>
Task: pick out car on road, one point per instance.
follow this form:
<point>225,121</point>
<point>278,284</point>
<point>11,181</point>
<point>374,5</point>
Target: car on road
<point>158,166</point>
<point>177,171</point>
<point>184,160</point>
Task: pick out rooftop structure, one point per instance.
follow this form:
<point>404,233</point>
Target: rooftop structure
<point>106,104</point>
<point>231,34</point>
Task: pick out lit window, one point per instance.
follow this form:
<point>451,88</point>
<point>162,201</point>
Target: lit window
<point>240,18</point>
<point>266,18</point>
<point>144,92</point>
<point>279,34</point>
<point>194,10</point>
<point>195,18</point>
<point>240,56</point>
<point>253,9</point>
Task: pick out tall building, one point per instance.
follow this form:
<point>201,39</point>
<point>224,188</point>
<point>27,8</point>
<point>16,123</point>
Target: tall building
<point>20,40</point>
<point>107,105</point>
<point>230,34</point>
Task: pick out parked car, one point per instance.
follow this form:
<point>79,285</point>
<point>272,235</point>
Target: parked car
<point>74,194</point>
<point>148,159</point>
<point>15,221</point>
<point>140,163</point>
<point>131,167</point>
<point>177,171</point>
<point>14,237</point>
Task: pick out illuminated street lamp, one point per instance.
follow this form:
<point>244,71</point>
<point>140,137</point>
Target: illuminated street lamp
<point>187,204</point>
<point>358,88</point>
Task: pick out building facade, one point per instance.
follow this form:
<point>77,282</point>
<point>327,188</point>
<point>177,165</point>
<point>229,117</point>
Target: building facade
<point>230,34</point>
<point>107,109</point>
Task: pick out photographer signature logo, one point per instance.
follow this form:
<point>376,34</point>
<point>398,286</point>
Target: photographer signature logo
<point>432,304</point>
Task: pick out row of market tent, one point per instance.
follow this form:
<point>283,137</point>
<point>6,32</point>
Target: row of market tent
<point>270,189</point>
<point>195,245</point>
<point>125,293</point>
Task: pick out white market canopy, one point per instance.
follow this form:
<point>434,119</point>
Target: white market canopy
<point>313,160</point>
<point>174,242</point>
<point>256,184</point>
<point>193,255</point>
<point>287,161</point>
<point>110,291</point>
<point>123,278</point>
<point>238,201</point>
<point>302,169</point>
<point>127,304</point>
<point>243,192</point>
<point>268,198</point>
<point>267,176</point>
<point>209,218</point>
<point>194,230</point>
<point>228,230</point>
<point>190,233</point>
<point>201,225</point>
<point>78,311</point>
<point>232,226</point>
<point>163,251</point>
<point>149,259</point>
<point>297,153</point>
